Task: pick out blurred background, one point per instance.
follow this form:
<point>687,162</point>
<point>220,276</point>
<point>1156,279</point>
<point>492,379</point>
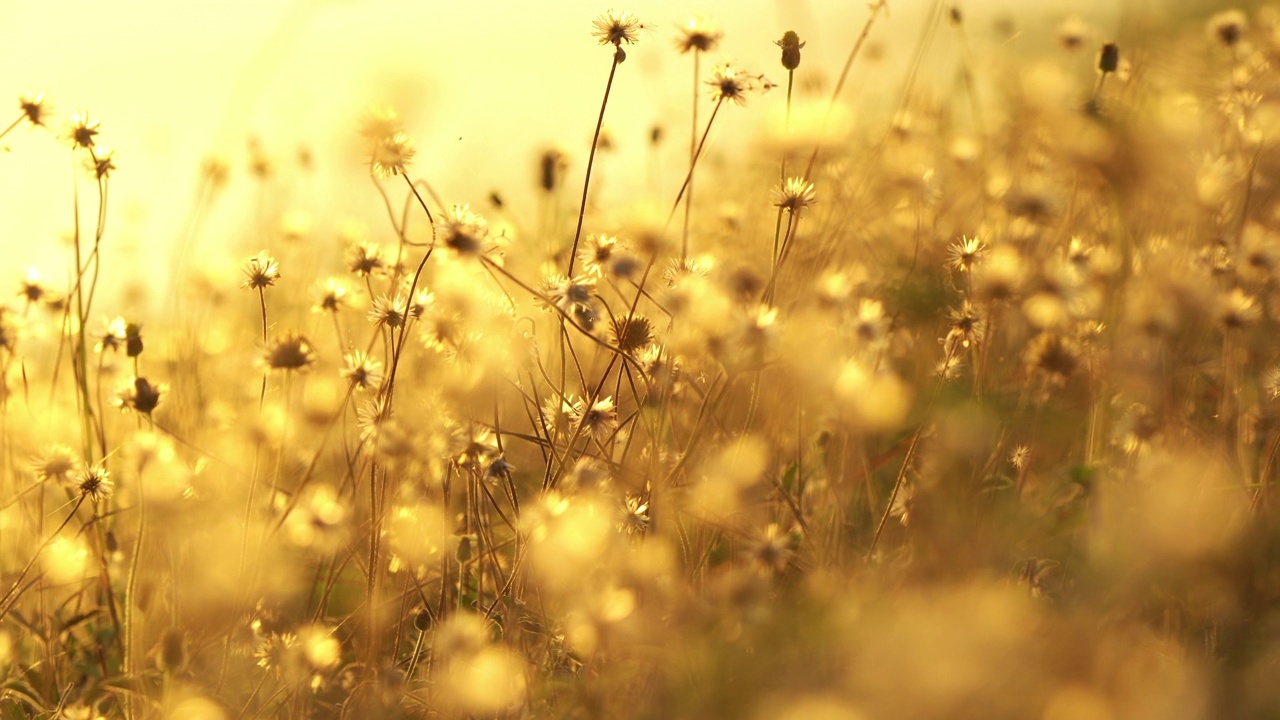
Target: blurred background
<point>484,88</point>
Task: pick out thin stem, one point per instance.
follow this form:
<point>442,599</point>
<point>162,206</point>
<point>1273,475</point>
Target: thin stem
<point>618,57</point>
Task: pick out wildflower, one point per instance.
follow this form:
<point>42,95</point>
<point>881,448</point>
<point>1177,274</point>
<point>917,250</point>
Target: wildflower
<point>790,44</point>
<point>597,252</point>
<point>1001,276</point>
<point>1053,354</point>
<point>95,483</point>
<point>277,651</point>
<point>378,123</point>
<point>575,298</point>
<point>390,312</point>
<point>32,288</point>
<point>1237,310</point>
<point>965,253</point>
<point>774,549</point>
<point>81,130</point>
<point>57,463</point>
<point>1072,33</point>
<point>698,33</point>
<point>365,259</point>
<point>617,27</point>
<point>462,232</point>
<point>1018,458</point>
<point>390,155</point>
<point>260,271</point>
<point>34,108</point>
<point>559,413</point>
<point>967,328</point>
<point>793,195</point>
<point>101,163</point>
<point>290,352</point>
<point>635,515</point>
<point>600,420</point>
<point>476,448</point>
<point>870,325</point>
<point>730,83</point>
<point>362,371</point>
<point>1227,27</point>
<point>631,332</point>
<point>115,337</point>
<point>333,296</point>
<point>139,394</point>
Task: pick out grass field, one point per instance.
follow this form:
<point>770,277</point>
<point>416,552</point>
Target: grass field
<point>958,398</point>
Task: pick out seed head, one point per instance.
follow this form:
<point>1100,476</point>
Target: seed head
<point>34,108</point>
<point>793,195</point>
<point>290,352</point>
<point>600,420</point>
<point>390,155</point>
<point>57,463</point>
<point>790,44</point>
<point>632,333</point>
<point>334,296</point>
<point>140,395</point>
<point>462,232</point>
<point>615,27</point>
<point>698,33</point>
<point>95,483</point>
<point>965,253</point>
<point>730,83</point>
<point>1228,27</point>
<point>362,371</point>
<point>81,130</point>
<point>260,271</point>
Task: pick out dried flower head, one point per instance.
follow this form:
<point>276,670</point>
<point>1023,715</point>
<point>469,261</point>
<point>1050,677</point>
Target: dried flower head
<point>390,155</point>
<point>964,253</point>
<point>260,271</point>
<point>574,297</point>
<point>57,463</point>
<point>81,130</point>
<point>790,44</point>
<point>362,371</point>
<point>290,352</point>
<point>95,483</point>
<point>139,395</point>
<point>1237,309</point>
<point>599,420</point>
<point>698,33</point>
<point>34,108</point>
<point>616,27</point>
<point>1227,27</point>
<point>793,195</point>
<point>334,296</point>
<point>462,232</point>
<point>631,333</point>
<point>1053,354</point>
<point>114,337</point>
<point>730,83</point>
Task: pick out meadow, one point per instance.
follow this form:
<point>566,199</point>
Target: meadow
<point>967,408</point>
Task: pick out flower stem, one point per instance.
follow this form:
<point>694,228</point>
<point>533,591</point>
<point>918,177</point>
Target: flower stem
<point>618,57</point>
